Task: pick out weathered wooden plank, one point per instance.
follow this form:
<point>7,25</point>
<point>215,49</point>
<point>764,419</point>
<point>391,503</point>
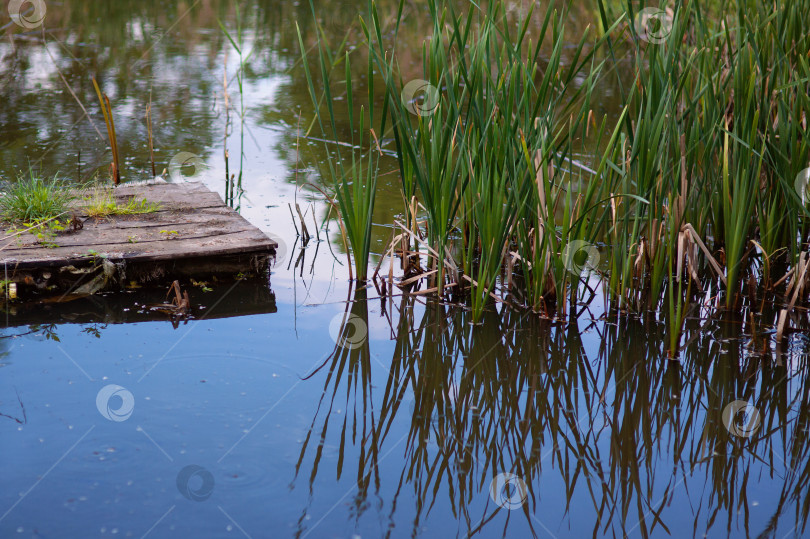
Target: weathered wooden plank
<point>132,230</point>
<point>173,201</point>
<point>243,241</point>
<point>193,223</point>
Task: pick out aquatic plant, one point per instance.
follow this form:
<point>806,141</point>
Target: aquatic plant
<point>712,150</point>
<point>492,136</point>
<point>693,189</point>
<point>353,178</point>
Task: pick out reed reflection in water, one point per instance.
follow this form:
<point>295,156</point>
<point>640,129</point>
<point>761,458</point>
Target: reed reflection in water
<point>598,427</point>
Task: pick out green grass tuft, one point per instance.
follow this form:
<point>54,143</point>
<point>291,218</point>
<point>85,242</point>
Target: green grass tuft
<point>32,199</point>
<point>101,203</point>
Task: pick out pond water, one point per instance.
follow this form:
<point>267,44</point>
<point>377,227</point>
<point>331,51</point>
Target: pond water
<point>297,406</point>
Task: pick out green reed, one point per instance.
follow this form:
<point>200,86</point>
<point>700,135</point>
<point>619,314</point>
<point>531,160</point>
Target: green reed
<point>354,178</point>
<point>496,141</point>
<point>695,182</point>
<point>714,144</point>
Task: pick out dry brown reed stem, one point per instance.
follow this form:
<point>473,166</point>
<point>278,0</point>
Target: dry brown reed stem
<point>388,251</point>
<point>106,109</point>
<point>687,251</point>
<point>406,282</point>
<point>304,230</point>
<point>391,267</point>
<point>696,238</point>
<point>431,290</point>
<point>796,285</point>
<point>448,260</point>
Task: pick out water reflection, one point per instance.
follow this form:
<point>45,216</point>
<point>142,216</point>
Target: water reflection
<point>627,440</point>
<point>223,299</point>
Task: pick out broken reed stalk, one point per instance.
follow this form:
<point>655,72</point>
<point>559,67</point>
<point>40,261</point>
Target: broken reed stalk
<point>292,216</point>
<point>106,109</point>
<point>304,230</point>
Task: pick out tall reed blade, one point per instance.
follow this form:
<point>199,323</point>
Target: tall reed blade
<point>106,109</point>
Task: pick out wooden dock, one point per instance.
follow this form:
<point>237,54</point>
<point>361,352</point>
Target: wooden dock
<point>193,233</point>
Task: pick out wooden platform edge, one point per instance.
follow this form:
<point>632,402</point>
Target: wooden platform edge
<point>214,239</point>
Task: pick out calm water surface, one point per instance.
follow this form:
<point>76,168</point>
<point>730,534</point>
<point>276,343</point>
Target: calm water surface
<point>293,406</point>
